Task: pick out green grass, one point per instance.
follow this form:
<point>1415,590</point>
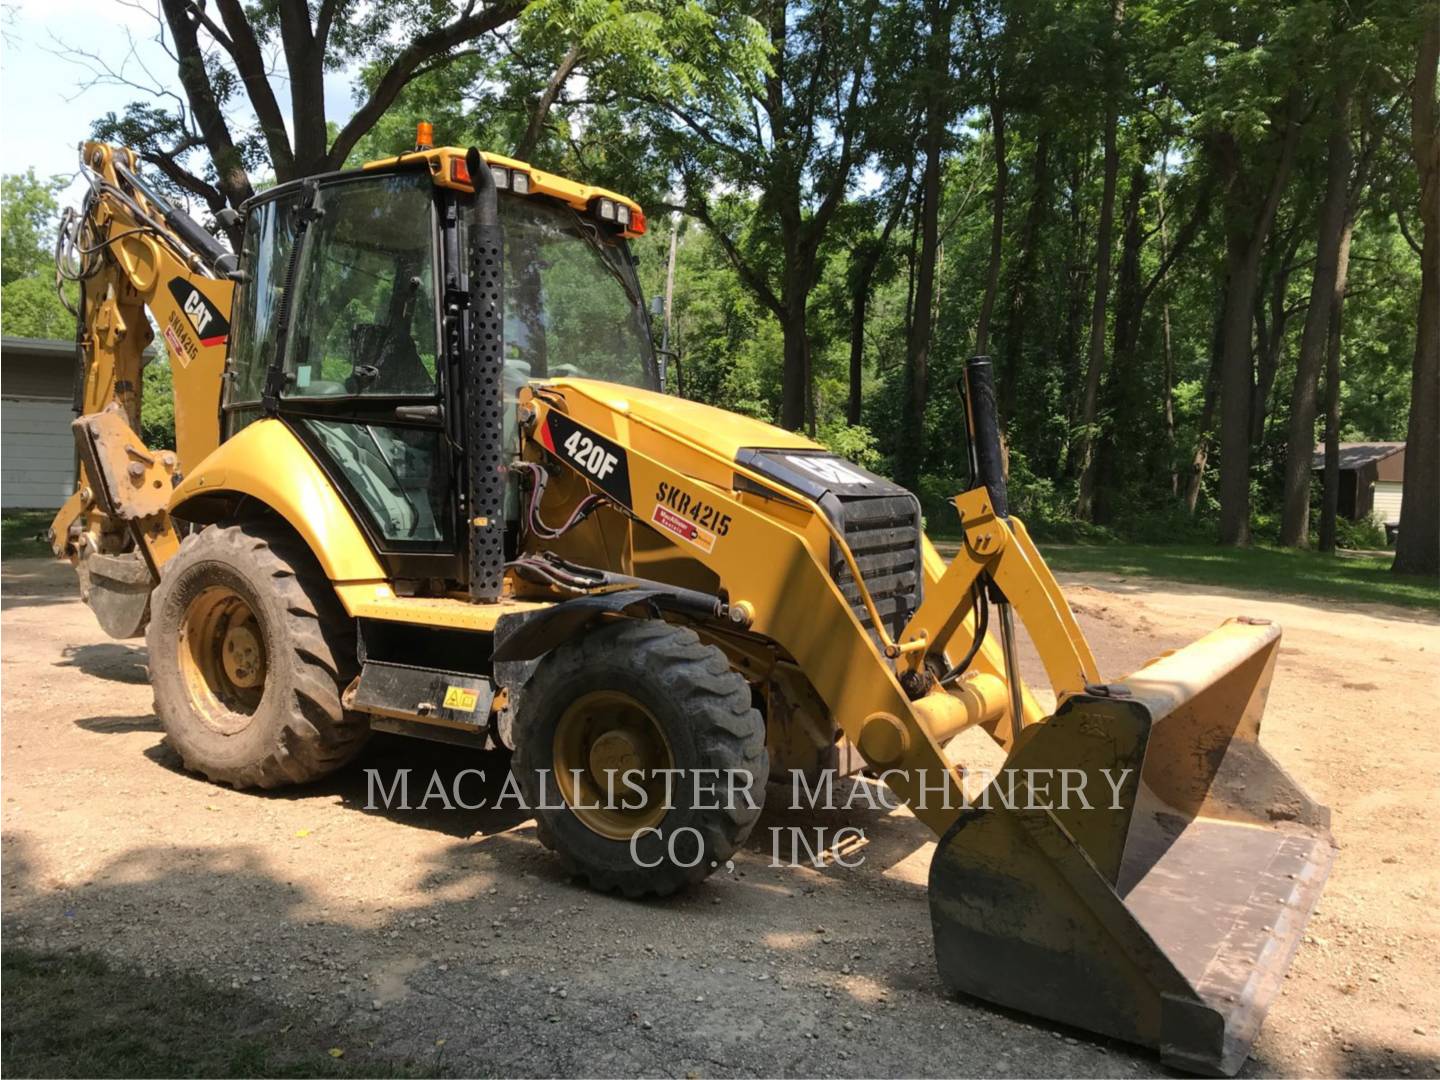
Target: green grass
<point>77,1014</point>
<point>1349,576</point>
<point>19,530</point>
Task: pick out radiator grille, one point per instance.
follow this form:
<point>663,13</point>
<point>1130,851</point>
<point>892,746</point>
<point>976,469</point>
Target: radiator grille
<point>884,536</point>
<point>879,519</point>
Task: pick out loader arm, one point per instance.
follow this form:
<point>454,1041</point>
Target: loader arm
<point>134,257</point>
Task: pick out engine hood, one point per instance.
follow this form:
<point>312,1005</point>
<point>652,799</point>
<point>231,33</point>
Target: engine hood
<point>723,432</point>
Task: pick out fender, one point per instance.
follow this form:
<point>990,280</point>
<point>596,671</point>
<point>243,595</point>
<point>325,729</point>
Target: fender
<point>266,462</point>
<point>529,635</point>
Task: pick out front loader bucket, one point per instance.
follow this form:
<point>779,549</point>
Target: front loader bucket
<point>1162,903</point>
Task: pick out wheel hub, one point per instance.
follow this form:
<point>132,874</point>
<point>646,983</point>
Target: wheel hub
<point>615,752</point>
<point>600,738</point>
<point>222,659</point>
<point>243,656</point>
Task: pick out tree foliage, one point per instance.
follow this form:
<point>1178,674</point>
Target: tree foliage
<point>29,305</point>
<point>1184,231</point>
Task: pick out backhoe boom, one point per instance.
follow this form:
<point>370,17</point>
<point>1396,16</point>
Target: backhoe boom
<point>134,257</point>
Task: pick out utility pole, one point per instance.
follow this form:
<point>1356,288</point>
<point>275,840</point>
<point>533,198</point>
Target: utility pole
<point>669,298</point>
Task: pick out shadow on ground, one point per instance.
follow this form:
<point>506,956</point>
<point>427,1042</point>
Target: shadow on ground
<point>110,660</point>
<point>34,582</point>
<point>75,1013</point>
<point>102,979</point>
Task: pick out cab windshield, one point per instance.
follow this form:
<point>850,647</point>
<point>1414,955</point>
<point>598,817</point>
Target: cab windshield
<point>572,300</point>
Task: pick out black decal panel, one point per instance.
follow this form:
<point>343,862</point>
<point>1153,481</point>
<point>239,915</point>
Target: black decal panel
<point>601,461</point>
<point>817,473</point>
<point>206,323</point>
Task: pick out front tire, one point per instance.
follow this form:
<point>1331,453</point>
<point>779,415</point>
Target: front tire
<point>640,695</point>
<point>249,652</point>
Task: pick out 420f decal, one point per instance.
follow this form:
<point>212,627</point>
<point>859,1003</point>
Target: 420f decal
<point>599,460</point>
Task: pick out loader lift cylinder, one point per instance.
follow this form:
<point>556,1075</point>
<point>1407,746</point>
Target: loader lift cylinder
<point>983,421</point>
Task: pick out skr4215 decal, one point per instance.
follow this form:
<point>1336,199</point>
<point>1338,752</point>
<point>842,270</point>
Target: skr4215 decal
<point>694,508</point>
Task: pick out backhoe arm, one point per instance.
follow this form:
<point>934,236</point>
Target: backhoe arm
<point>135,258</point>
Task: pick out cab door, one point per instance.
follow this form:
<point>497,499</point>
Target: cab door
<point>361,371</point>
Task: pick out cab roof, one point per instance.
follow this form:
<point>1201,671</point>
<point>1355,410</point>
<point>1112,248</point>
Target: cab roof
<point>447,168</point>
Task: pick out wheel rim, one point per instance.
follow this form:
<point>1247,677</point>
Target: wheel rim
<point>602,736</point>
<point>223,659</point>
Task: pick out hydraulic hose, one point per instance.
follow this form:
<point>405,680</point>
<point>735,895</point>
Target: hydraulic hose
<point>982,627</point>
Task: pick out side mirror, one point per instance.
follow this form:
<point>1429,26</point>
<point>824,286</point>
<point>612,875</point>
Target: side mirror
<point>657,305</point>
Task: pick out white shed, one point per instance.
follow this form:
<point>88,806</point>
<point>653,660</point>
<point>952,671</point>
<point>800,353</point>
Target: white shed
<point>1372,478</point>
<point>37,451</point>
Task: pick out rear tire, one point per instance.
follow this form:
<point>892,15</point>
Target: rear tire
<point>675,703</point>
<point>249,652</point>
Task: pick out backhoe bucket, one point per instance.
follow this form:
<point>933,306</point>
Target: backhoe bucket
<point>1140,867</point>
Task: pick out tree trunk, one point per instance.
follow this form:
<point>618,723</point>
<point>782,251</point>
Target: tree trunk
<point>1022,289</point>
<point>1119,390</point>
<point>667,339</point>
<point>812,404</point>
<point>917,351</point>
<point>1095,362</point>
<point>1201,454</point>
<point>1330,499</point>
<point>859,302</point>
<point>1129,289</point>
<point>1078,281</point>
<point>1095,357</point>
<point>305,71</point>
<point>1247,227</point>
<point>1324,294</point>
<point>536,126</point>
<point>1168,394</point>
<point>997,226</point>
<point>1270,336</point>
<point>1417,548</point>
<point>866,262</point>
<point>795,392</point>
<point>1236,387</point>
<point>205,108</point>
<point>910,252</point>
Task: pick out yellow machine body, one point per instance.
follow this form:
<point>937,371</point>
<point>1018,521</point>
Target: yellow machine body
<point>1163,911</point>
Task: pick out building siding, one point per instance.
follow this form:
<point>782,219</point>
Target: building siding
<point>37,470</point>
<point>1387,501</point>
<point>37,451</point>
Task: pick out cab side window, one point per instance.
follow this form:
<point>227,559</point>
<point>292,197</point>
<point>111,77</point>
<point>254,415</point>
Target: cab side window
<point>269,238</point>
<point>364,320</point>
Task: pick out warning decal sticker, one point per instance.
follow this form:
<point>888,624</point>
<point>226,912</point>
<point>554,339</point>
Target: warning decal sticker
<point>684,528</point>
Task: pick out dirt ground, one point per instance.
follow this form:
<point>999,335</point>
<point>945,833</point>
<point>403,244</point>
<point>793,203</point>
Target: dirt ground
<point>451,939</point>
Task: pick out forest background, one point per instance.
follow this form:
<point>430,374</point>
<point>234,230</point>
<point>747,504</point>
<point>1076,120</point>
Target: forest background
<point>1197,238</point>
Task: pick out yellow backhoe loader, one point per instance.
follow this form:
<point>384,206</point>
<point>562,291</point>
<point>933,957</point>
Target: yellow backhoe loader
<point>427,481</point>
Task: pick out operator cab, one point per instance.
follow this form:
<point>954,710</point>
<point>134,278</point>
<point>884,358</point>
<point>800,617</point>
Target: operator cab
<point>350,328</point>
